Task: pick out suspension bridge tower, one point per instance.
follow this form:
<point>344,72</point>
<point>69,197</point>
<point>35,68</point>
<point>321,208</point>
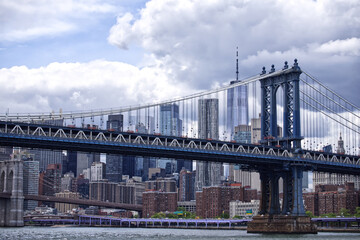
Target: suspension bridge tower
<point>11,183</point>
<point>290,218</point>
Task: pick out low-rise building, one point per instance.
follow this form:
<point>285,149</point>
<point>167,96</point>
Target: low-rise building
<point>189,206</point>
<point>66,207</point>
<point>244,209</point>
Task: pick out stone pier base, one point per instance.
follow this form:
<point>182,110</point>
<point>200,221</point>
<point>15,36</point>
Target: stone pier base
<point>281,224</point>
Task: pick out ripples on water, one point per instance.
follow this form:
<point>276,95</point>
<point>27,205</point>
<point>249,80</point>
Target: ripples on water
<point>67,233</point>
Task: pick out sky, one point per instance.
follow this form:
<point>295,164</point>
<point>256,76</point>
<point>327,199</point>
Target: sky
<point>92,54</point>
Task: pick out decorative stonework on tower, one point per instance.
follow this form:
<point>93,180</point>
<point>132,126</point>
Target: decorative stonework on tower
<point>11,182</point>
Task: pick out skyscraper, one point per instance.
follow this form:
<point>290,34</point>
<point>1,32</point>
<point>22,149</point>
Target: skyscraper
<point>84,161</point>
<point>115,122</point>
<point>170,123</point>
<point>30,179</point>
<point>208,173</point>
<point>237,104</point>
<point>46,157</point>
<point>114,163</point>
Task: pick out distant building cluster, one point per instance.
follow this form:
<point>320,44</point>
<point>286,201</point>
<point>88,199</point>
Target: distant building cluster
<point>330,198</point>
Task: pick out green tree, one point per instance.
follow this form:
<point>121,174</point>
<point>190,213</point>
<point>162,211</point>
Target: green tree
<point>159,215</point>
<point>181,209</point>
<point>223,215</point>
<point>171,215</point>
<point>237,217</point>
<point>344,212</point>
<point>309,214</point>
<point>357,212</point>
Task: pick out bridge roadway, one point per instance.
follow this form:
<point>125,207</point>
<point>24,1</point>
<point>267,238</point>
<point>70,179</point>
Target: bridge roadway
<point>133,207</point>
<point>250,156</point>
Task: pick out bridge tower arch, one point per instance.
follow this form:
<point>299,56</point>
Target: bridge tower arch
<point>11,180</point>
<point>288,80</point>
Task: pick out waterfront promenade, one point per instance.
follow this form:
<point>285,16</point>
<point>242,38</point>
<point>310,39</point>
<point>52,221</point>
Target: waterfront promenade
<point>350,224</point>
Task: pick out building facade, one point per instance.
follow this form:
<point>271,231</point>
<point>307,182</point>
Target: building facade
<point>208,173</point>
<point>244,209</point>
<point>155,201</point>
<point>30,180</point>
<point>66,207</point>
<point>329,198</point>
<point>187,185</point>
<point>98,171</point>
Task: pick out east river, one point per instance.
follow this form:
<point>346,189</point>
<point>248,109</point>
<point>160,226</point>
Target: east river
<point>65,233</point>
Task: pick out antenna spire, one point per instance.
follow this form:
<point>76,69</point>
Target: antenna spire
<point>237,64</point>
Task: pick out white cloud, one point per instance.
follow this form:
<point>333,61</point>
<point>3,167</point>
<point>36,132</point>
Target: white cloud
<point>23,20</point>
<point>350,46</point>
<point>76,86</point>
<point>194,41</point>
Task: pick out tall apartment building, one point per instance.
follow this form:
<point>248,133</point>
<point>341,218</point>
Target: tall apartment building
<point>208,173</point>
<point>97,171</point>
<point>155,201</point>
<point>187,185</point>
<point>336,178</point>
<point>30,179</point>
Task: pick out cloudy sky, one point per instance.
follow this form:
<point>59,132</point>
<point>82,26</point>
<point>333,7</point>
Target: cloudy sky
<point>91,54</point>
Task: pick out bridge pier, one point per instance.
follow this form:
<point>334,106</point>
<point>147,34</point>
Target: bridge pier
<point>11,181</point>
<point>291,219</point>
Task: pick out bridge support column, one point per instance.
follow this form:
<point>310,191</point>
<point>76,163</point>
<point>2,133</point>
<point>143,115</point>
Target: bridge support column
<point>265,193</point>
<point>298,204</point>
<point>274,195</point>
<point>11,181</point>
<point>292,218</point>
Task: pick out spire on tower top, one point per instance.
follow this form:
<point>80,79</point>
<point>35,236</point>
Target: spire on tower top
<point>237,64</point>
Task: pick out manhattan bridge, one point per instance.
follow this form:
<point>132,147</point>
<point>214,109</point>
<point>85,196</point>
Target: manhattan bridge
<point>300,122</point>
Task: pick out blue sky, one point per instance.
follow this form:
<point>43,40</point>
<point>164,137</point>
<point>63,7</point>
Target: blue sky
<point>77,54</point>
<point>87,43</point>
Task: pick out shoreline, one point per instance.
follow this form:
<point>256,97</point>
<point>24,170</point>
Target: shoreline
<point>242,228</point>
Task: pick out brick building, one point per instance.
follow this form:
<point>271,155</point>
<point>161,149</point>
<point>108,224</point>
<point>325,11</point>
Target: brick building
<point>331,199</point>
<point>213,201</point>
<point>155,201</point>
<point>161,184</point>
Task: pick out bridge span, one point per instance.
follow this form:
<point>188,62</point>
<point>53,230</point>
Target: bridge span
<point>133,207</point>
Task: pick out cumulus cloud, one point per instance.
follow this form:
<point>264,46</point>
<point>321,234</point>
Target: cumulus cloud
<point>195,41</point>
<point>77,86</point>
<point>24,20</point>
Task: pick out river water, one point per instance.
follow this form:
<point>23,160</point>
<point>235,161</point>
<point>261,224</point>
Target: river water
<point>65,233</point>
